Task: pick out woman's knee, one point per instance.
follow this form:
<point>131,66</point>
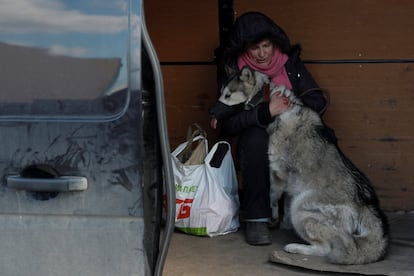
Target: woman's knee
<point>252,149</point>
<point>254,138</point>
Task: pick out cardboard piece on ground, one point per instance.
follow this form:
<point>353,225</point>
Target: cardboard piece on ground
<point>399,260</point>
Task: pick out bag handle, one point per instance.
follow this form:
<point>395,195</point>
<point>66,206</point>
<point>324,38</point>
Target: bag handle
<point>197,131</point>
<point>194,130</point>
<point>217,154</point>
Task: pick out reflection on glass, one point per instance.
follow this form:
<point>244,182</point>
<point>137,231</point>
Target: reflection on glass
<point>63,57</point>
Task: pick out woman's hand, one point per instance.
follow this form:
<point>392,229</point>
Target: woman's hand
<point>278,105</point>
<point>213,123</point>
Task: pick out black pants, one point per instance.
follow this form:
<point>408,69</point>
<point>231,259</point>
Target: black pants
<point>254,165</point>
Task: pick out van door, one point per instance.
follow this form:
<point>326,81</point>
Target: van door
<point>71,138</point>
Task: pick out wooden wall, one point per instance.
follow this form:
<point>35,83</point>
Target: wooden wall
<point>185,32</point>
<point>372,103</point>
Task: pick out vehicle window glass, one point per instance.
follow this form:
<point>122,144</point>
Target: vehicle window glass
<point>63,58</point>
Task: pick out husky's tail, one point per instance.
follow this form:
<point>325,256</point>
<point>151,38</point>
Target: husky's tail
<point>367,245</point>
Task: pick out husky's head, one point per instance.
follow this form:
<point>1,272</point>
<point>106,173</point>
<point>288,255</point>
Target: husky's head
<point>238,92</point>
<point>243,86</point>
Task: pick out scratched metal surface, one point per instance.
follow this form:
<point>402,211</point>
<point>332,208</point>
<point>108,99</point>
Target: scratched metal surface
<point>107,154</point>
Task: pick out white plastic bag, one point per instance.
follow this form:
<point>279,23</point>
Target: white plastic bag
<point>207,202</point>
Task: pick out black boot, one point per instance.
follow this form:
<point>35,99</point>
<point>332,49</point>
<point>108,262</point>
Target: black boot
<point>257,233</point>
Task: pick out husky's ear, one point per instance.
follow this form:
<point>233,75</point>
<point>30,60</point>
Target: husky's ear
<point>229,71</point>
<point>247,75</point>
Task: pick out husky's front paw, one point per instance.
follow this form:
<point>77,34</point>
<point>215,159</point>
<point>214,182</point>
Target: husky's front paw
<point>277,89</point>
<point>294,248</point>
<point>282,91</point>
<point>291,96</point>
<point>297,248</point>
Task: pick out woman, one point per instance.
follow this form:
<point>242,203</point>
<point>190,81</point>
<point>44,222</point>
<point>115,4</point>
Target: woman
<point>260,43</point>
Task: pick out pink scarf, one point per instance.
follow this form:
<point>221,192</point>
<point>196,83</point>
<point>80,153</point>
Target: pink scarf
<point>275,70</point>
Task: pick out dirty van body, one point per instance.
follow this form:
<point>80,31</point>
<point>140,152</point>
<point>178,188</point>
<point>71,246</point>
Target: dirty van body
<point>82,151</point>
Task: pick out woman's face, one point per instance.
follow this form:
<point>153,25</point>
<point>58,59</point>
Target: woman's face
<point>261,52</point>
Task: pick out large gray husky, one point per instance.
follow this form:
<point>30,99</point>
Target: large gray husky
<point>333,206</point>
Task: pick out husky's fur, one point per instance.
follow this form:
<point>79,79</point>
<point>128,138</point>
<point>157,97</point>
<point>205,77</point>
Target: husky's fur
<point>333,206</point>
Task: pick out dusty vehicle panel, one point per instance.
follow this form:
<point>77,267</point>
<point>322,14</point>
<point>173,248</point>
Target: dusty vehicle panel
<point>71,136</point>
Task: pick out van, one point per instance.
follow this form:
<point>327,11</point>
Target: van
<point>83,141</point>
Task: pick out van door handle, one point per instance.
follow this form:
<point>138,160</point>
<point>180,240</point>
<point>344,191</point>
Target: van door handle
<point>58,184</point>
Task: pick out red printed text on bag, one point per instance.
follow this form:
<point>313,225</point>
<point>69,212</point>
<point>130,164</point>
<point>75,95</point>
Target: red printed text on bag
<point>185,207</point>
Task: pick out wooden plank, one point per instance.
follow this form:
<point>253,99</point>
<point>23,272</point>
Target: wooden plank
<point>337,29</point>
<point>183,30</point>
<point>189,92</point>
<point>373,94</point>
<point>372,112</point>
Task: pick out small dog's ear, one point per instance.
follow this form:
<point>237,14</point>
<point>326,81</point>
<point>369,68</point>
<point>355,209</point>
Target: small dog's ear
<point>247,75</point>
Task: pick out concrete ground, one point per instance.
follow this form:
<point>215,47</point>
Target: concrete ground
<point>231,255</point>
